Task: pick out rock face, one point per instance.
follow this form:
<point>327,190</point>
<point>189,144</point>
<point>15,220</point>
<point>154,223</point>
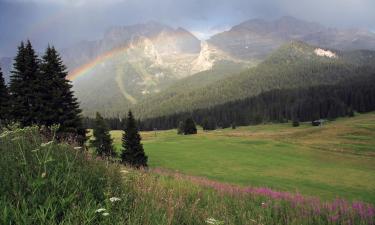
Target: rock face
<point>132,62</point>
<point>255,39</point>
<point>165,41</point>
<point>326,53</point>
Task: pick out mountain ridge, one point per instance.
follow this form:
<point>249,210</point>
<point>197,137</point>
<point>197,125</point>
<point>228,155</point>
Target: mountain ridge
<point>293,65</point>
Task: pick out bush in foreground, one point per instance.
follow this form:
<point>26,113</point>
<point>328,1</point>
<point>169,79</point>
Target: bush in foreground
<point>43,182</point>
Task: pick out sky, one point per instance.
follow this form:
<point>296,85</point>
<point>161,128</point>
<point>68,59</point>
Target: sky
<point>66,22</point>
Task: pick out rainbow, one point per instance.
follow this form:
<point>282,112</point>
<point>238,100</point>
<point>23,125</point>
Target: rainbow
<point>90,65</point>
<point>84,69</point>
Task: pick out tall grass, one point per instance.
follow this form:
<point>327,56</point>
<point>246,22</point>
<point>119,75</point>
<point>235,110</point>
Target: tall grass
<point>45,182</point>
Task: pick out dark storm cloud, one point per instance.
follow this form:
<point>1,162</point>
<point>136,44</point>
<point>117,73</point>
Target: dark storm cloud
<point>64,22</point>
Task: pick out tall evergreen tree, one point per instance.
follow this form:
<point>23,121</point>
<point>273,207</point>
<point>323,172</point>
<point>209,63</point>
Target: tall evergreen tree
<point>103,141</point>
<point>4,101</point>
<point>60,105</point>
<point>132,153</point>
<point>189,126</point>
<point>25,85</point>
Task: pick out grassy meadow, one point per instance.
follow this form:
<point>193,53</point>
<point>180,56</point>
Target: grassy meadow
<point>336,160</point>
<point>47,182</point>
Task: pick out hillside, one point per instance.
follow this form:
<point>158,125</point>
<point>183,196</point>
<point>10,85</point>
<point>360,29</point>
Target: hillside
<point>293,65</point>
<point>135,62</point>
<point>257,38</point>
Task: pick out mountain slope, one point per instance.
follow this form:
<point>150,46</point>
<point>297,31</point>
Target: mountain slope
<point>135,62</point>
<point>293,65</point>
<point>255,39</point>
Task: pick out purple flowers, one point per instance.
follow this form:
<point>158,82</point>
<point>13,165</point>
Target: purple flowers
<point>338,211</point>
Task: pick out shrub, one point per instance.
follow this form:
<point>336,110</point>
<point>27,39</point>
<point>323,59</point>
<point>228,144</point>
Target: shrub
<point>189,127</point>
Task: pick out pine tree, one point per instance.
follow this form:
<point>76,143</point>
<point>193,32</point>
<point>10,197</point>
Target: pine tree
<point>102,142</point>
<point>132,153</point>
<point>189,127</point>
<point>60,105</point>
<point>180,128</point>
<point>4,101</point>
<point>25,86</point>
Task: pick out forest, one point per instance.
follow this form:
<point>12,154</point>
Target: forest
<point>279,105</point>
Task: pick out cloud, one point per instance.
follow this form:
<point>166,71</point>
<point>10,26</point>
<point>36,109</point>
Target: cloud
<point>64,22</point>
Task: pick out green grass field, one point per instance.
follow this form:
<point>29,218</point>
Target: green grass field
<point>336,160</point>
<point>49,182</point>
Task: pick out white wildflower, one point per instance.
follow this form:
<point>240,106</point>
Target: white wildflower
<point>114,199</point>
<point>46,144</point>
<point>214,221</point>
<point>77,148</point>
<point>124,171</point>
<point>105,214</point>
<point>100,210</point>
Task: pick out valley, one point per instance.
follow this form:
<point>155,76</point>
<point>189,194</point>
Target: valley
<point>336,160</point>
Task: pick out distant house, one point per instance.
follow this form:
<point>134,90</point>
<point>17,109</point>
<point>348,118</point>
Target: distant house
<point>319,122</point>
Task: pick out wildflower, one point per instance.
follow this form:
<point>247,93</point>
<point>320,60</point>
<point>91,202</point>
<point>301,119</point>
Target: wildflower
<point>214,221</point>
<point>334,218</point>
<point>264,204</point>
<point>77,148</point>
<point>46,144</point>
<point>44,175</point>
<point>124,171</point>
<point>114,199</point>
<point>105,214</point>
<point>100,210</point>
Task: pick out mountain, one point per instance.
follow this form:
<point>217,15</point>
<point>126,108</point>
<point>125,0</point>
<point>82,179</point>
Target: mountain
<point>256,39</point>
<point>133,62</point>
<point>293,65</point>
<point>156,69</point>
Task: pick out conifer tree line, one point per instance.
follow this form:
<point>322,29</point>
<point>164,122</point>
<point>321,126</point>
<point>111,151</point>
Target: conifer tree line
<point>40,94</point>
<point>280,105</point>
